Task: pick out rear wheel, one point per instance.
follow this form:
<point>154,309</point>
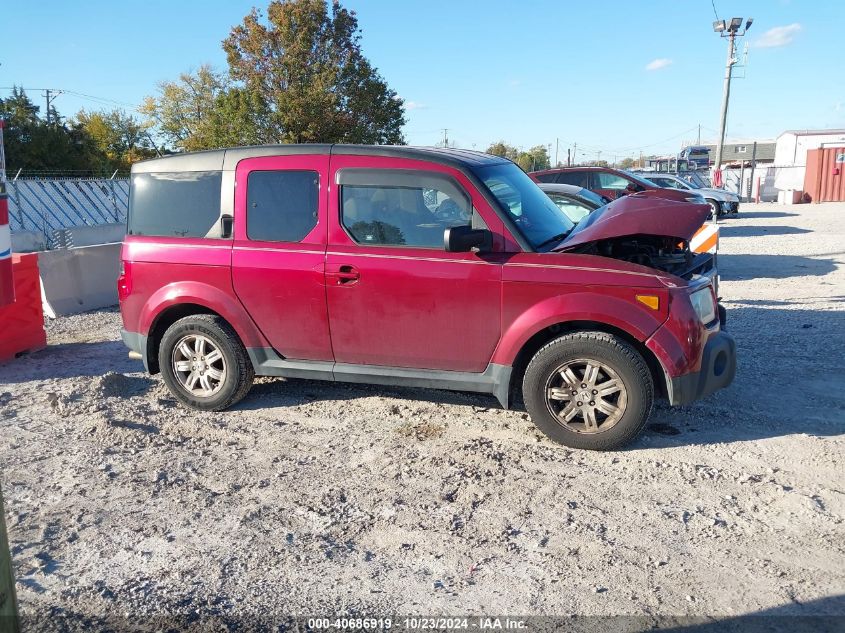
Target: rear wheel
<point>589,390</point>
<point>204,363</point>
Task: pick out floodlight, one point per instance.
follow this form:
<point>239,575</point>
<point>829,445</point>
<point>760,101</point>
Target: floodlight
<point>719,26</point>
<point>748,23</point>
<point>735,24</point>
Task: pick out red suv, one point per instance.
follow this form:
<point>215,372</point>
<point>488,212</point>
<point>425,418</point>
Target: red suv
<point>446,269</point>
<point>613,183</point>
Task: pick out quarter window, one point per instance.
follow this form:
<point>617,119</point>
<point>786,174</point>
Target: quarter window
<point>175,204</point>
<point>281,205</point>
<point>401,208</point>
<point>605,180</point>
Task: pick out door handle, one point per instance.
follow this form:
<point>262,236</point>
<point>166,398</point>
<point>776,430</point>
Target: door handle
<point>345,275</point>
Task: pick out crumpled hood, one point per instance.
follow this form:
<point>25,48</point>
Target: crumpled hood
<point>638,215</point>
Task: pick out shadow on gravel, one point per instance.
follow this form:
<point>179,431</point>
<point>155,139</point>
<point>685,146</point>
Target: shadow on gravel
<point>70,360</point>
<point>726,230</point>
<point>764,214</point>
<point>294,392</point>
<point>736,267</point>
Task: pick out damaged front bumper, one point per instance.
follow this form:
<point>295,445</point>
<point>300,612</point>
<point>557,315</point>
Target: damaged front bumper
<point>718,368</point>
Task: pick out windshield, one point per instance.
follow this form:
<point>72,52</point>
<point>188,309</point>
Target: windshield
<point>539,219</point>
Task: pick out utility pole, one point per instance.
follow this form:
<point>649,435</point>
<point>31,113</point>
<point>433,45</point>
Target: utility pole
<point>575,153</point>
<point>731,30</point>
<point>568,158</point>
<point>445,137</point>
<point>557,144</point>
<point>50,96</point>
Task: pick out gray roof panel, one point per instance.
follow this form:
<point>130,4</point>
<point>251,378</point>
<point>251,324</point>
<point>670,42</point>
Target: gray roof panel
<point>227,159</point>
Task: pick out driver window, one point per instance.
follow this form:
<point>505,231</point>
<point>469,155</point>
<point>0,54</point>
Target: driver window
<point>402,208</point>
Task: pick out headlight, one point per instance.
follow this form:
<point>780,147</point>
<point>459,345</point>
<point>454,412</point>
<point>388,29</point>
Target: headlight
<point>704,305</point>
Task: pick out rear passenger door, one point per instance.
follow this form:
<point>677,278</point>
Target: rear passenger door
<point>278,256</point>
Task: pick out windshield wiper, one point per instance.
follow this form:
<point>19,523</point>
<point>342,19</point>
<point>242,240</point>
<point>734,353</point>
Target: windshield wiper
<point>555,238</point>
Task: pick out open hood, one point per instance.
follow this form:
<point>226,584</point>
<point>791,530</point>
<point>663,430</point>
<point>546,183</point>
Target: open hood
<point>636,214</point>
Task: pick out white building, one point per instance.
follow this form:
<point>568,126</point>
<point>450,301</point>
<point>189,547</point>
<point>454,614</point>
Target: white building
<point>791,154</point>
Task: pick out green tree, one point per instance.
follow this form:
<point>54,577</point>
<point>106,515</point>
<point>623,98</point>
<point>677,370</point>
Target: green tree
<point>534,159</point>
<point>181,108</point>
<point>500,148</point>
<point>116,139</point>
<point>305,63</point>
<point>626,163</point>
<point>239,117</point>
<point>34,145</point>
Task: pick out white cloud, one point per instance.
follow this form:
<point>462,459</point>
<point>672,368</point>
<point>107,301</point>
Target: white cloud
<point>410,105</point>
<point>657,64</point>
<point>778,36</point>
<point>514,83</point>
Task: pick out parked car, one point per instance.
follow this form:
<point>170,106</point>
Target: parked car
<point>576,202</point>
<point>721,202</point>
<point>612,183</point>
<point>436,268</point>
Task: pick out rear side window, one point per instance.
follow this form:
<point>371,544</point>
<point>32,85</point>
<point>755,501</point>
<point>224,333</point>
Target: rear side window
<point>281,205</point>
<point>175,204</point>
<point>605,180</point>
<point>552,177</point>
<point>577,178</point>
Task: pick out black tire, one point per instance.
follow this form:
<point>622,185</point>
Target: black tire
<point>715,208</point>
<point>611,352</point>
<point>239,372</point>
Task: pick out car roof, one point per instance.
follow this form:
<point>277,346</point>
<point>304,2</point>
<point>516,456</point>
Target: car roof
<point>226,159</point>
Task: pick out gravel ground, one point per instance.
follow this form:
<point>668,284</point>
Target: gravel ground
<point>318,498</point>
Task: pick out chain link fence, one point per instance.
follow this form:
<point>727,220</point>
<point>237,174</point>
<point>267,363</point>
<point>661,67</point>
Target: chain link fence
<point>50,205</point>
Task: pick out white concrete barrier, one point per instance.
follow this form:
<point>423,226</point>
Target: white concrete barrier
<point>28,242</point>
<point>79,279</point>
<point>76,236</point>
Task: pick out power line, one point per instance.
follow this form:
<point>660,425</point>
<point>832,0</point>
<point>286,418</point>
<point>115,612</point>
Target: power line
<point>716,13</point>
<point>82,95</point>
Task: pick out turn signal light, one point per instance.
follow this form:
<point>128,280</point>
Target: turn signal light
<point>652,301</point>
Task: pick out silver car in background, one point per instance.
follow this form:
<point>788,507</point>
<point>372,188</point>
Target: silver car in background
<point>721,202</point>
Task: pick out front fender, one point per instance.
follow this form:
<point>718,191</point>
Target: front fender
<point>207,296</point>
<point>624,314</point>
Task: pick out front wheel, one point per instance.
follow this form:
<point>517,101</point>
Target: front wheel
<point>715,209</point>
<point>204,363</point>
<point>589,390</point>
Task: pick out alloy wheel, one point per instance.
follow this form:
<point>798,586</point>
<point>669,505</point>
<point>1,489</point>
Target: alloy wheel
<point>586,396</point>
<point>199,365</point>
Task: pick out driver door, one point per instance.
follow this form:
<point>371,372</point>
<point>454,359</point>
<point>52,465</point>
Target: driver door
<point>396,298</point>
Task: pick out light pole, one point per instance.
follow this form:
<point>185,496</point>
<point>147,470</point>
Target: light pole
<point>731,30</point>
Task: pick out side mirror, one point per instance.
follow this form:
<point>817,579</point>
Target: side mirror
<point>462,239</point>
